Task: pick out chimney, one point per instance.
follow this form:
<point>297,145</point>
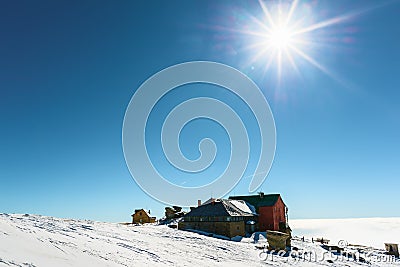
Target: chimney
<point>199,202</point>
<point>261,194</point>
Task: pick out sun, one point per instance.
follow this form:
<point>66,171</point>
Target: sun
<point>280,37</point>
<point>287,33</point>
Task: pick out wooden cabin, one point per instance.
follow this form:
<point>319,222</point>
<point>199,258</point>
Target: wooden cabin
<point>142,216</point>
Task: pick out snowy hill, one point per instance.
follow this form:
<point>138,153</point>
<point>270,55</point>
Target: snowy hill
<point>32,240</point>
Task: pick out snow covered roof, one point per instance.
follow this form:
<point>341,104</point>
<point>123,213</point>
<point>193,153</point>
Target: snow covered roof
<point>243,205</point>
<point>224,207</point>
<point>260,200</point>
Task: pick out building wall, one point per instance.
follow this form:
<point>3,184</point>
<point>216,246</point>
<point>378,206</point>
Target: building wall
<point>237,229</point>
<point>269,217</point>
<point>279,213</point>
<point>142,217</point>
<point>265,218</point>
<point>229,229</point>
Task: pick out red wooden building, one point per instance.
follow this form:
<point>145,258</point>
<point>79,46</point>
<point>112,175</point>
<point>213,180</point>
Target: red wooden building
<point>271,209</point>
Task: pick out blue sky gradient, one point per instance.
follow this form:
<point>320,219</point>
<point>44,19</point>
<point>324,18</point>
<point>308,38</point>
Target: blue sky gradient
<point>69,68</point>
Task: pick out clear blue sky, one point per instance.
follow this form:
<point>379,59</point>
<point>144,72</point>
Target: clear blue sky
<point>69,68</point>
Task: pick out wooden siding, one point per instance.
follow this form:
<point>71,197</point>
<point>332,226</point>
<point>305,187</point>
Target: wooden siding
<point>141,216</point>
<point>270,217</point>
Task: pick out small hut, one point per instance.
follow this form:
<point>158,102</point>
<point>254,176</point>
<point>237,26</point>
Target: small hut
<point>392,249</point>
<point>142,216</point>
<point>277,240</point>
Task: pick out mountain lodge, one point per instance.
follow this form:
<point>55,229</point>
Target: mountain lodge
<point>239,215</point>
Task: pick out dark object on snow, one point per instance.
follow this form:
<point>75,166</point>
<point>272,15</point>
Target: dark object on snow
<point>333,249</point>
<point>173,213</point>
<point>277,240</point>
<point>260,247</point>
<point>174,226</point>
<point>177,208</point>
<point>392,249</point>
<point>361,259</point>
<point>321,240</point>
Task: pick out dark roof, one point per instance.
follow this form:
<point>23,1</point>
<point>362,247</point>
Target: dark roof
<point>221,207</point>
<point>260,200</point>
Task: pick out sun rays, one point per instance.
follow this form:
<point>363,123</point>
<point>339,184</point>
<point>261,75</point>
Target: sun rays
<point>286,41</point>
<point>287,34</point>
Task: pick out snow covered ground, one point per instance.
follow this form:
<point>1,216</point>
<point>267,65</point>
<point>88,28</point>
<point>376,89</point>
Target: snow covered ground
<point>32,240</point>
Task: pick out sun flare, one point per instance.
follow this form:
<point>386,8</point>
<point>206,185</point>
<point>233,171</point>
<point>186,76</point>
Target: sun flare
<point>288,34</point>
